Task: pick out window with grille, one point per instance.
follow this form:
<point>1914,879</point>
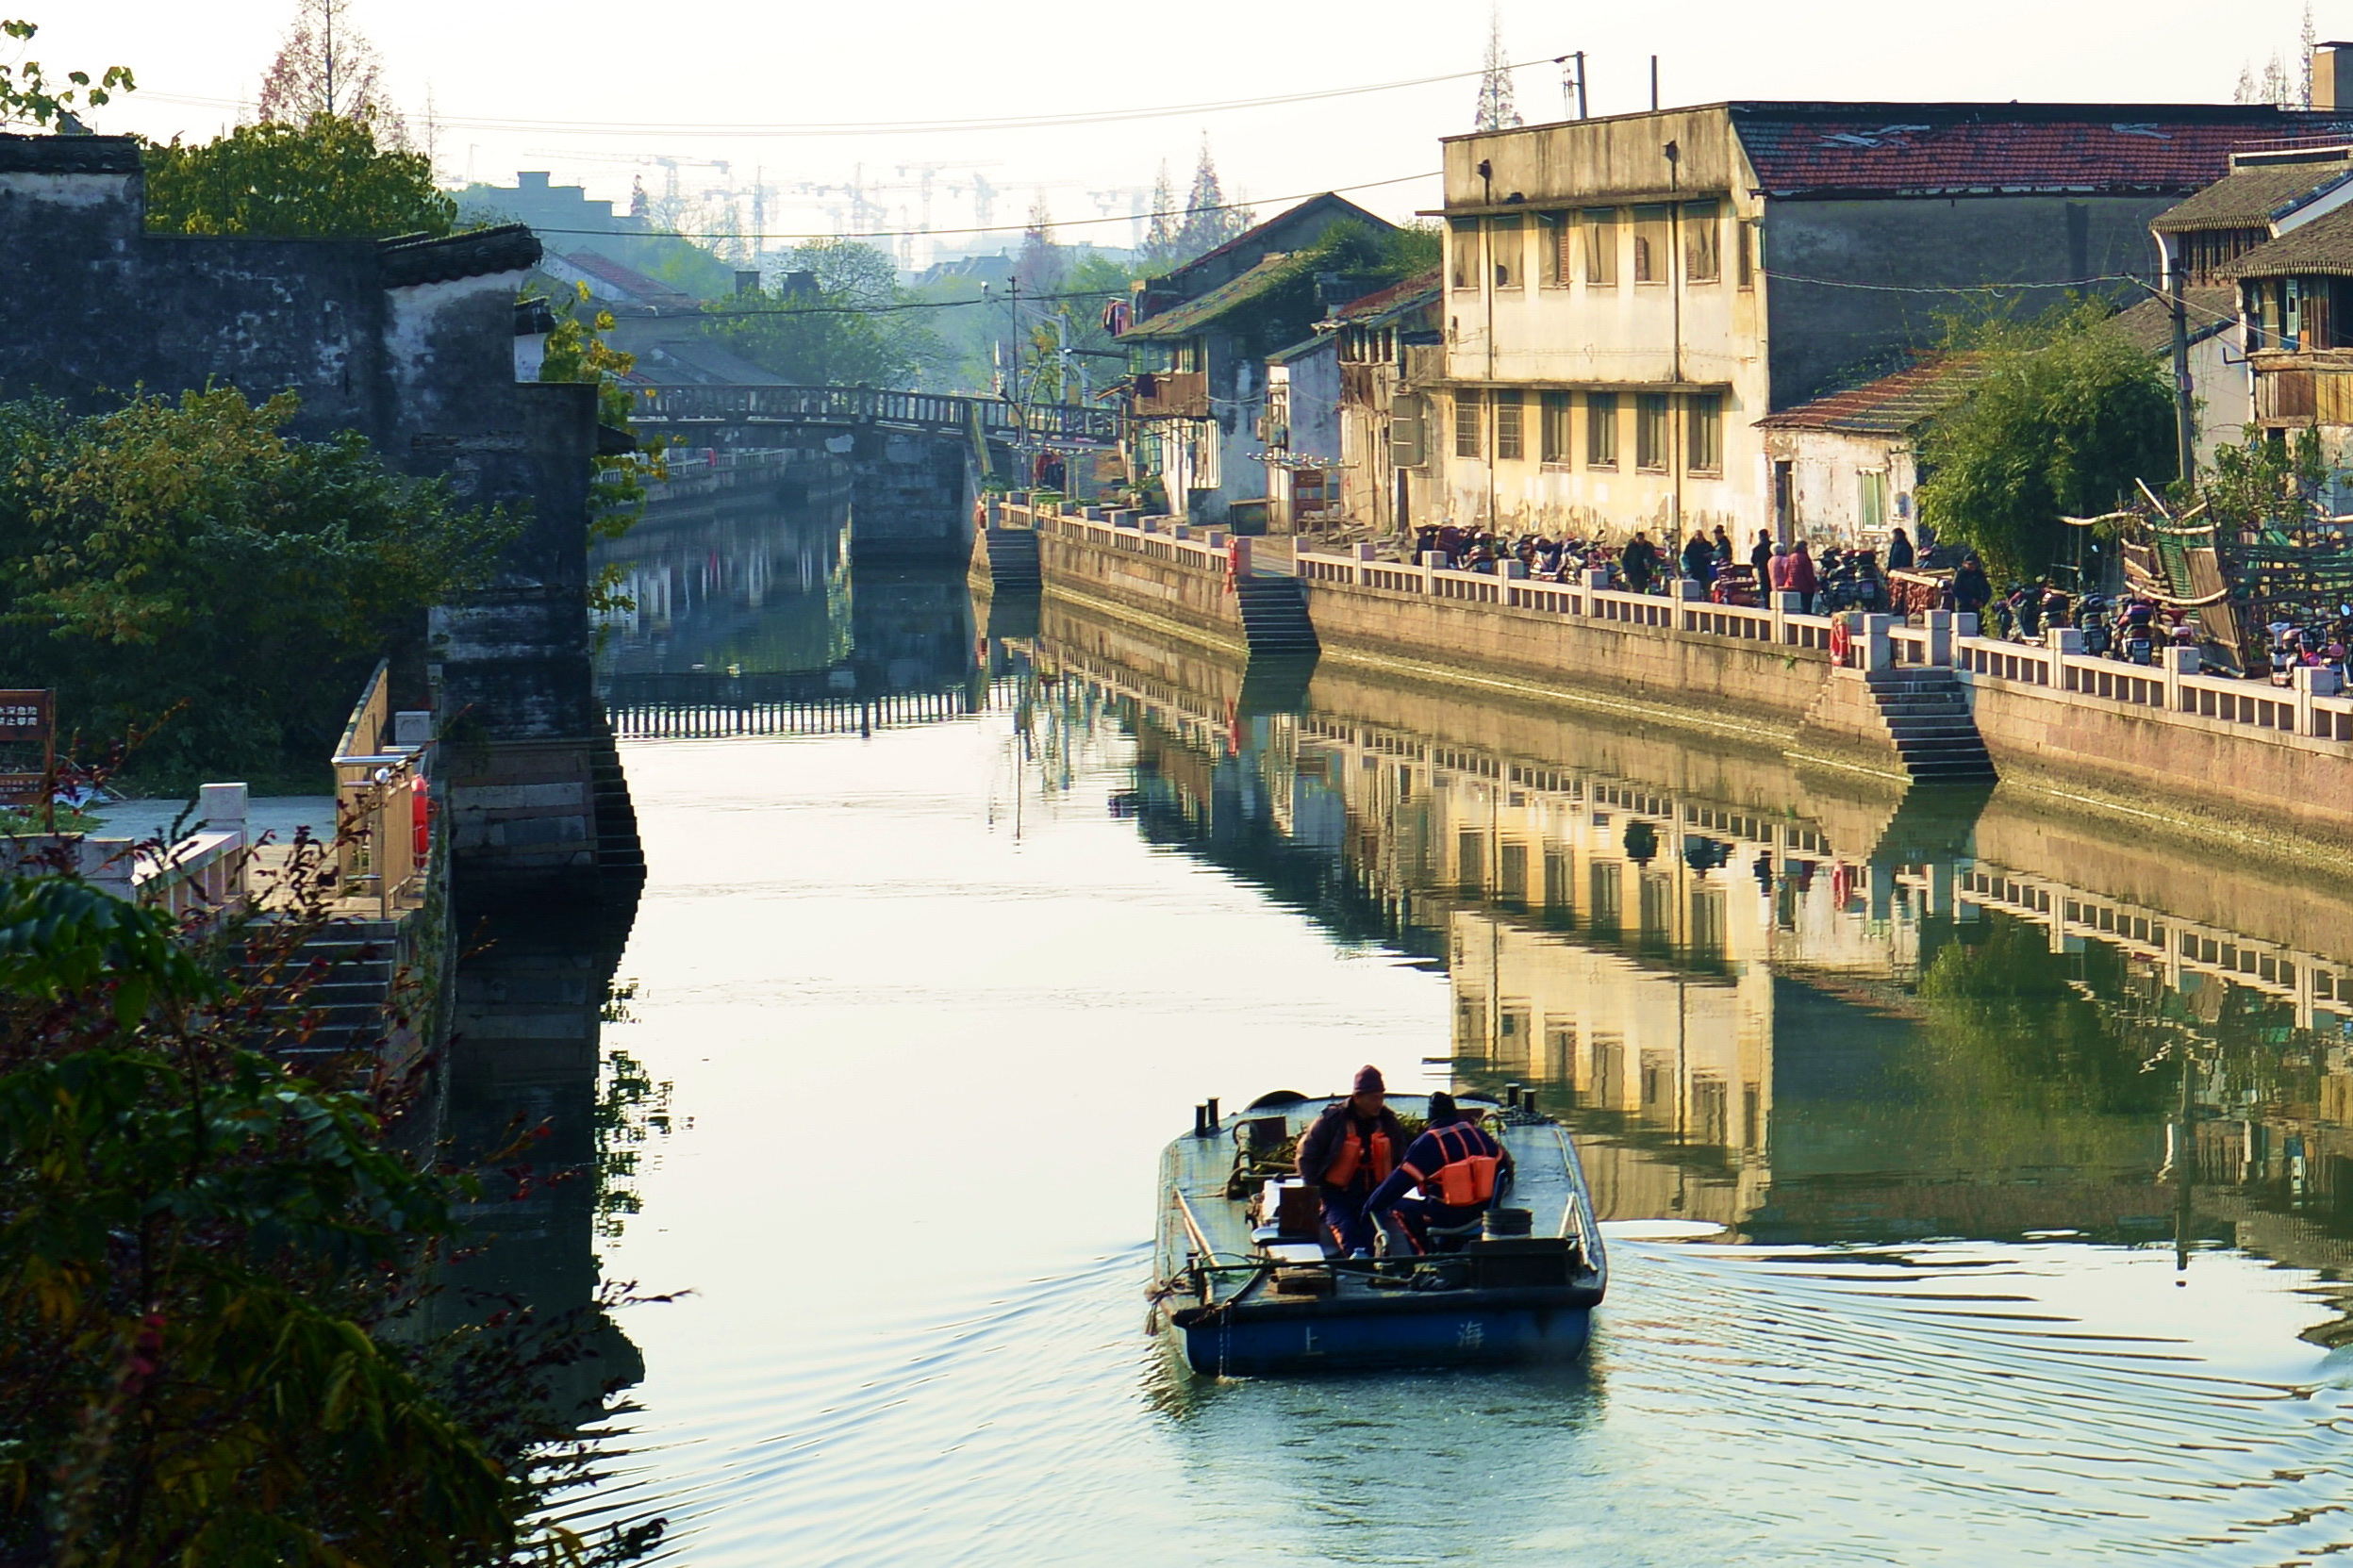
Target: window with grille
<point>1552,262</point>
<point>1602,248</point>
<point>1651,430</point>
<point>1701,261</point>
<point>1508,446</point>
<point>1466,424</point>
<point>1651,244</point>
<point>1556,429</point>
<point>1707,432</point>
<point>1600,430</point>
<point>1871,504</point>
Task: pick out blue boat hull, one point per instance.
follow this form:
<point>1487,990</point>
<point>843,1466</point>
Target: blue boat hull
<point>1431,1331</point>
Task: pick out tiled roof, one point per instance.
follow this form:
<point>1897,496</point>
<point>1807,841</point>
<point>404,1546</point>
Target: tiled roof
<point>1338,206</point>
<point>411,259</point>
<point>2255,197</point>
<point>1891,406</point>
<point>632,283</point>
<point>2323,246</point>
<point>1936,149</point>
<point>2148,325</point>
<point>1380,302</point>
<point>69,154</point>
<point>1194,314</point>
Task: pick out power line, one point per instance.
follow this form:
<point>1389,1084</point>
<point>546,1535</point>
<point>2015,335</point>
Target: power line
<point>904,305</point>
<point>993,228</point>
<point>885,127</point>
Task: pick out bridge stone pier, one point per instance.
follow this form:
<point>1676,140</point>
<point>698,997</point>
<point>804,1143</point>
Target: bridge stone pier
<point>911,464</point>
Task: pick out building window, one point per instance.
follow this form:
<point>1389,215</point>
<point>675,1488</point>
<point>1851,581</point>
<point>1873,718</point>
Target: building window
<point>1466,423</point>
<point>1601,247</point>
<point>1651,244</point>
<point>1706,412</point>
<point>1552,249</point>
<point>1509,444</point>
<point>1701,261</point>
<point>1745,255</point>
<point>1871,504</point>
<point>1600,430</point>
<point>1555,432</point>
<point>1463,236</point>
<point>1650,414</point>
<point>1509,248</point>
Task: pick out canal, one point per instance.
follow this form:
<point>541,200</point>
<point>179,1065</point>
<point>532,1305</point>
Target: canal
<point>1977,1180</point>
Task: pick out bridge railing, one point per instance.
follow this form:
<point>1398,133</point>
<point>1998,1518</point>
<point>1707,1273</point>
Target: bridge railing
<point>876,406</point>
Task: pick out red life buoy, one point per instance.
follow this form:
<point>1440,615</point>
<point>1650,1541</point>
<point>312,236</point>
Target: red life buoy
<point>1840,641</point>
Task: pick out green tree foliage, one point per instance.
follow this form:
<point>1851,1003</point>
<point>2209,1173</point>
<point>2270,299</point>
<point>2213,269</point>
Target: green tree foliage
<point>578,351</point>
<point>2266,485</point>
<point>854,328</point>
<point>2014,1031</point>
<point>324,179</point>
<point>205,1263</point>
<point>2066,418</point>
<point>28,96</point>
<point>189,555</point>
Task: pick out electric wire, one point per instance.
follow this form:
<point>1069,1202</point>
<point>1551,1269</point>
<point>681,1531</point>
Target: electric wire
<point>887,127</point>
<point>993,228</point>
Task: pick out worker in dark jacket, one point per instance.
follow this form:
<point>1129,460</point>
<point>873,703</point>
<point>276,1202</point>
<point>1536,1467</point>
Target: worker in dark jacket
<point>1352,1147</point>
<point>1459,1169</point>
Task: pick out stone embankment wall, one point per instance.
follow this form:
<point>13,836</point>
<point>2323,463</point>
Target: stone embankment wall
<point>2261,768</point>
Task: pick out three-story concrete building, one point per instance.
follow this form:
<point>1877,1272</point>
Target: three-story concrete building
<point>1626,297</point>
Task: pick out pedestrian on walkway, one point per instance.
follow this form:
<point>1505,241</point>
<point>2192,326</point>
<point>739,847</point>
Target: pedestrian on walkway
<point>1801,576</point>
<point>1640,563</point>
<point>1760,559</point>
<point>1700,557</point>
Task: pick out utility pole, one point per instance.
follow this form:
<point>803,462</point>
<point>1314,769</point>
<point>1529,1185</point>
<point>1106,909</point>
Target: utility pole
<point>1654,84</point>
<point>1583,109</point>
<point>2184,414</point>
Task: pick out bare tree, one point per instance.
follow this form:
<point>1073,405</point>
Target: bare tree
<point>327,66</point>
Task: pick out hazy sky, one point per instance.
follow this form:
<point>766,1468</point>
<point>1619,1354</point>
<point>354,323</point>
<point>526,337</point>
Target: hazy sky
<point>593,90</point>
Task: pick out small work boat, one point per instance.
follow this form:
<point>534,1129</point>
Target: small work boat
<point>1249,1281</point>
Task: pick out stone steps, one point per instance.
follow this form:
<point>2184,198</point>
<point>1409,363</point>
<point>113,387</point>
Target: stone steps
<point>1275,618</point>
<point>353,997</point>
<point>1012,559</point>
<point>1928,718</point>
<point>617,847</point>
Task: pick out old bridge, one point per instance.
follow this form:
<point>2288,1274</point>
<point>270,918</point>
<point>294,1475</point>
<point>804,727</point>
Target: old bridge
<point>909,464</point>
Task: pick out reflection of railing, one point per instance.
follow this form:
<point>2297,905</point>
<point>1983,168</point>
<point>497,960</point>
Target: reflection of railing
<point>934,411</point>
<point>378,787</point>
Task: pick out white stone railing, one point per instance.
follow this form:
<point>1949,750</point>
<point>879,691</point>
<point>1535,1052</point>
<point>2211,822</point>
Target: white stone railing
<point>1153,536</point>
<point>1587,597</point>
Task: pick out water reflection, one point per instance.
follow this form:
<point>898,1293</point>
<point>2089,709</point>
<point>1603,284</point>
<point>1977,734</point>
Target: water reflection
<point>1774,1000</point>
<point>933,995</point>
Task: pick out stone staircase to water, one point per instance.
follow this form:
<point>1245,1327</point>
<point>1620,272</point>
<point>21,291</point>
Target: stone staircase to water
<point>1926,715</point>
<point>1012,557</point>
<point>1275,620</point>
<point>617,849</point>
<point>352,995</point>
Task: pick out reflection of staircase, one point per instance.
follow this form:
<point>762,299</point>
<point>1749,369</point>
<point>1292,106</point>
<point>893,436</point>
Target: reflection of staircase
<point>1927,714</point>
<point>1275,618</point>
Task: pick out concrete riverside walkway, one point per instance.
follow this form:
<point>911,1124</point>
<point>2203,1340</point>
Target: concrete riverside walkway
<point>279,817</point>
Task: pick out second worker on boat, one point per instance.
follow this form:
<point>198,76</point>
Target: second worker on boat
<point>1352,1149</point>
<point>1459,1169</point>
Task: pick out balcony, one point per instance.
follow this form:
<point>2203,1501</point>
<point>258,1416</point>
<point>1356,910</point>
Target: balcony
<point>2303,389</point>
<point>1169,395</point>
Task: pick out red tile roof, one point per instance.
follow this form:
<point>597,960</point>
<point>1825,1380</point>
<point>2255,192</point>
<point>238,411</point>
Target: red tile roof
<point>1891,406</point>
<point>1388,299</point>
<point>1936,149</point>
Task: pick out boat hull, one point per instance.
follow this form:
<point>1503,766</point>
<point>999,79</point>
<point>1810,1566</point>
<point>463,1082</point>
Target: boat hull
<point>1280,1341</point>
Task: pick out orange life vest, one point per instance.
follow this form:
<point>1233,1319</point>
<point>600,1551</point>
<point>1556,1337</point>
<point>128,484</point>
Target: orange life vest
<point>1342,1171</point>
<point>1466,1177</point>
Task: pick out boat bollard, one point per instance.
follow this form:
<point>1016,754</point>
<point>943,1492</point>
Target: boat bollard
<point>1511,1096</point>
<point>1212,1115</point>
<point>1527,1101</point>
<point>1200,1120</point>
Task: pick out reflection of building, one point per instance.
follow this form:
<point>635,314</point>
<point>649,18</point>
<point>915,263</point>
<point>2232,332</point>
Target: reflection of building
<point>1745,988</point>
